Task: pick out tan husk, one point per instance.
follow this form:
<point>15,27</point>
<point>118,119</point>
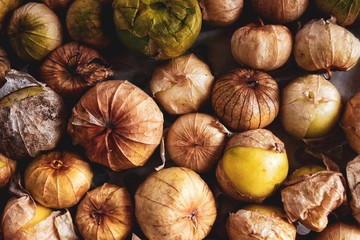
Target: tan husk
<point>72,69</point>
<point>196,141</point>
<point>6,171</point>
<point>249,225</point>
<point>323,45</point>
<point>260,138</point>
<point>175,203</point>
<point>19,211</point>
<point>339,230</point>
<point>221,12</point>
<point>57,4</point>
<point>33,124</point>
<point>58,179</point>
<point>6,6</point>
<point>299,100</point>
<point>117,124</point>
<point>182,85</point>
<point>350,122</point>
<point>353,179</point>
<point>105,213</point>
<point>265,47</point>
<point>4,65</point>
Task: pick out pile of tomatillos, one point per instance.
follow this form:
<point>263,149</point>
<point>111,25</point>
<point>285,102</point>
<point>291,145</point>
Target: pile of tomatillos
<point>190,151</point>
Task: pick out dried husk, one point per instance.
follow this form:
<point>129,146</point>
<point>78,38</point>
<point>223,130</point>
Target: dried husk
<point>280,11</point>
<point>182,85</point>
<point>221,13</point>
<point>34,31</point>
<point>105,213</point>
<point>339,230</point>
<point>249,225</point>
<point>265,47</point>
<point>33,124</point>
<point>299,101</point>
<point>7,169</point>
<point>19,211</point>
<point>196,141</point>
<point>175,203</point>
<point>117,124</point>
<point>350,122</point>
<point>57,4</point>
<point>4,65</point>
<point>73,68</point>
<point>345,13</point>
<point>245,99</point>
<point>258,138</point>
<point>353,178</point>
<point>58,179</point>
<point>6,6</point>
<point>324,46</point>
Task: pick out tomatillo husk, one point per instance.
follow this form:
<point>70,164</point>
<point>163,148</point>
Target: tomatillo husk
<point>353,179</point>
<point>57,4</point>
<point>4,65</point>
<point>221,12</point>
<point>339,230</point>
<point>345,12</point>
<point>7,169</point>
<point>6,6</point>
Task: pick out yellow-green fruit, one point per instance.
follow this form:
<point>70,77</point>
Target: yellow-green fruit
<point>267,210</point>
<point>307,170</point>
<point>41,214</point>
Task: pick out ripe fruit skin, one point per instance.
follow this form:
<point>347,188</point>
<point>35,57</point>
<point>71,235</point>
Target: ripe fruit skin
<point>41,214</point>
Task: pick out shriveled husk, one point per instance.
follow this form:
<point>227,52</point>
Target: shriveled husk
<point>7,169</point>
<point>6,6</point>
<point>21,209</point>
<point>323,45</point>
<point>221,12</point>
<point>105,213</point>
<point>353,178</point>
<point>339,230</point>
<point>117,124</point>
<point>175,203</point>
<point>345,12</point>
<point>350,122</point>
<point>32,123</point>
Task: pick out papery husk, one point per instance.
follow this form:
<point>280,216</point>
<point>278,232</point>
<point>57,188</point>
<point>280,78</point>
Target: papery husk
<point>300,99</point>
<point>6,6</point>
<point>221,13</point>
<point>44,174</point>
<point>106,212</point>
<point>117,124</point>
<point>259,138</point>
<point>7,171</point>
<point>35,123</point>
<point>182,85</point>
<point>324,46</point>
<point>175,203</point>
<point>350,122</point>
<point>196,141</point>
<point>345,12</point>
<point>353,179</point>
<point>19,211</point>
<point>265,47</point>
<point>162,33</point>
<point>249,225</point>
<point>34,31</point>
<point>4,65</point>
<point>57,4</point>
<point>280,11</point>
<point>312,197</point>
<point>72,69</point>
<point>339,230</point>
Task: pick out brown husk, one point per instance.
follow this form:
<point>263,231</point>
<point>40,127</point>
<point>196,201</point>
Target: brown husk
<point>7,171</point>
<point>353,178</point>
<point>19,211</point>
<point>175,203</point>
<point>58,179</point>
<point>35,123</point>
<point>221,13</point>
<point>6,6</point>
<point>339,230</point>
<point>4,65</point>
<point>57,4</point>
<point>105,213</point>
<point>249,225</point>
<point>323,46</point>
<point>117,124</point>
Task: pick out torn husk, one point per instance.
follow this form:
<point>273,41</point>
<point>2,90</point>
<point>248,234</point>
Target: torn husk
<point>249,225</point>
<point>353,177</point>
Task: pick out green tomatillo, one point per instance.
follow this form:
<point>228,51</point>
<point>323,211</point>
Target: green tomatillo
<point>160,29</point>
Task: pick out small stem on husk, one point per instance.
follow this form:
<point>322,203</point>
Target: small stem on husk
<point>329,74</point>
<point>57,164</point>
<point>98,216</point>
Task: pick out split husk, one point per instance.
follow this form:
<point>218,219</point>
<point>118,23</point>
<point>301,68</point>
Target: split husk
<point>6,6</point>
<point>7,169</point>
<point>339,230</point>
<point>33,116</point>
<point>117,124</point>
<point>221,13</point>
<point>353,179</point>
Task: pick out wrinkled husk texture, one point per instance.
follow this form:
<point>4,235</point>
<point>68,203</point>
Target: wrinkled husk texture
<point>345,12</point>
<point>72,69</point>
<point>6,6</point>
<point>34,31</point>
<point>299,100</point>
<point>265,47</point>
<point>6,171</point>
<point>58,185</point>
<point>182,85</point>
<point>221,13</point>
<point>19,211</point>
<point>57,4</point>
<point>323,45</point>
<point>159,29</point>
<point>35,123</point>
<point>259,138</point>
<point>248,225</point>
<point>117,124</point>
<point>339,230</point>
<point>105,213</point>
<point>280,11</point>
<point>4,65</point>
<point>196,141</point>
<point>353,178</point>
<point>175,203</point>
<point>245,99</point>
